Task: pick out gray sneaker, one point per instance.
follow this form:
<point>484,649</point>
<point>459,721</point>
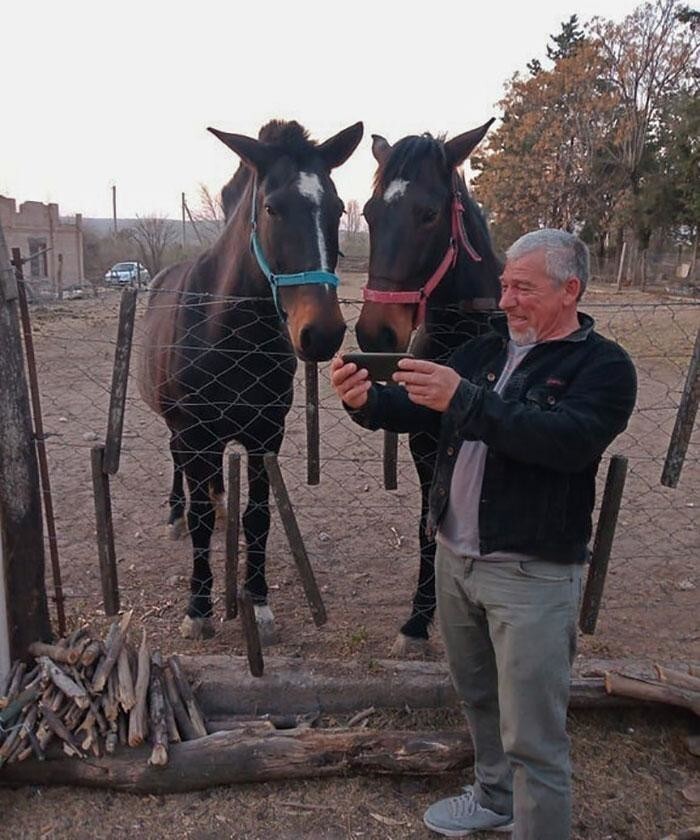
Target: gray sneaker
<point>461,815</point>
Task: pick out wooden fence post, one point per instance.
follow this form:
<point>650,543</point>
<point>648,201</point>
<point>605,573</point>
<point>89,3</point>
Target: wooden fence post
<point>685,420</point>
<point>602,546</point>
<point>621,266</point>
<point>21,525</point>
<point>38,425</point>
<point>313,469</point>
<point>296,543</point>
<point>390,458</point>
<point>120,380</point>
<point>233,503</point>
<point>105,531</point>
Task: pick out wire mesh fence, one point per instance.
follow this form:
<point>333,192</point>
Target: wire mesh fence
<point>362,540</point>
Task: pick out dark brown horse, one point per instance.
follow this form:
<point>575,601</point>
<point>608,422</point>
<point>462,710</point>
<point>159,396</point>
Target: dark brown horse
<point>222,335</point>
<point>431,266</point>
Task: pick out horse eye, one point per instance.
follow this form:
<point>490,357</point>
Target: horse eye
<point>429,216</point>
<point>270,210</point>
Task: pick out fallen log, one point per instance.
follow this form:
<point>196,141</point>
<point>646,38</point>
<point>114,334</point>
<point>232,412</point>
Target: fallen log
<point>226,687</point>
<point>651,691</point>
<point>232,757</point>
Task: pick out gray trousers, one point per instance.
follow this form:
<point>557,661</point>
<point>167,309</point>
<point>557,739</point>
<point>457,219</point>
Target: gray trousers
<point>510,633</point>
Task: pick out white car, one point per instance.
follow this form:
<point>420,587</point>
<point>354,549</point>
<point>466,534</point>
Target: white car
<point>127,274</point>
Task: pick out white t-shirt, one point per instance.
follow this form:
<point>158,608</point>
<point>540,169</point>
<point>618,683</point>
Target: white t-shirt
<point>459,529</point>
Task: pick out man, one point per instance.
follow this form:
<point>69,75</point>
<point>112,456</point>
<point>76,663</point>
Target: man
<point>524,415</point>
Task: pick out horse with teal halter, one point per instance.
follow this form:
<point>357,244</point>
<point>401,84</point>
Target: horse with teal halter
<point>222,335</point>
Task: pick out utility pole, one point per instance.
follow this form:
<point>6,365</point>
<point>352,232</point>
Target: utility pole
<point>184,228</point>
<point>114,208</point>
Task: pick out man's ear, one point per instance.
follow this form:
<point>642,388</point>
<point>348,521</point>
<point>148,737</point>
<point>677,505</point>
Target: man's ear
<point>573,288</point>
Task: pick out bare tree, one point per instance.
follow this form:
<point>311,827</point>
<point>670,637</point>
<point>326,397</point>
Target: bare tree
<point>153,235</point>
<point>209,216</point>
<point>353,220</point>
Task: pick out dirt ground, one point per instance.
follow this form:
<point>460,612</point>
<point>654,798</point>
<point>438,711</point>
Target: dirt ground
<point>362,543</point>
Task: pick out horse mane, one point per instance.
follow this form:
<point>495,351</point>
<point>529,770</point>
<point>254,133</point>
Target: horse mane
<point>405,156</point>
<point>289,138</point>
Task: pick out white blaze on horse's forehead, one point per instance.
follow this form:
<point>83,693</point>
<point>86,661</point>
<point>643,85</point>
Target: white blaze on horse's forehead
<point>309,186</point>
<point>395,190</point>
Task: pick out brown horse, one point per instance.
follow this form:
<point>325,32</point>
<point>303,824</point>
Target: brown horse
<point>222,335</point>
<point>431,266</point>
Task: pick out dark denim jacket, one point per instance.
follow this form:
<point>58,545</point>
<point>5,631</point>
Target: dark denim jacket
<point>546,433</point>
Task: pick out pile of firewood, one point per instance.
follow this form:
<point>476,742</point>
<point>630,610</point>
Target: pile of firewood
<point>91,695</point>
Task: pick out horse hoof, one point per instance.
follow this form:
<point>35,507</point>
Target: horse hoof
<point>405,646</point>
<point>177,529</point>
<point>265,620</point>
<point>197,628</point>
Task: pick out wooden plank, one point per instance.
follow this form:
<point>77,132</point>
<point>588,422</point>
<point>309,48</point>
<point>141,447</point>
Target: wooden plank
<point>21,521</point>
<point>602,545</point>
<point>313,436</point>
<point>296,543</point>
<point>232,533</point>
<point>37,417</point>
<point>256,662</point>
<point>390,460</point>
<point>105,532</point>
<point>120,380</point>
<point>685,421</point>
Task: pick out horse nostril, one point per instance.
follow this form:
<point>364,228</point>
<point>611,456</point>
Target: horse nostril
<point>316,345</point>
<point>306,340</point>
<point>387,340</point>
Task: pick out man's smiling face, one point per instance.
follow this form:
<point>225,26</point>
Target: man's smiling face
<point>537,307</point>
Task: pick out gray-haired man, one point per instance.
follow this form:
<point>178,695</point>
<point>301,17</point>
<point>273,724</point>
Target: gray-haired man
<point>524,415</point>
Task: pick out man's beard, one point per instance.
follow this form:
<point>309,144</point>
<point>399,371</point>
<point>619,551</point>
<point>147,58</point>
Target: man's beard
<point>523,337</point>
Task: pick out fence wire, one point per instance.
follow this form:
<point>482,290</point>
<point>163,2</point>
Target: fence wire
<point>361,539</point>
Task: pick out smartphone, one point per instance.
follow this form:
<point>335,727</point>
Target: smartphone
<point>380,365</point>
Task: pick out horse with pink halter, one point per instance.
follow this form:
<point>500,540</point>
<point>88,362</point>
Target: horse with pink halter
<point>432,269</point>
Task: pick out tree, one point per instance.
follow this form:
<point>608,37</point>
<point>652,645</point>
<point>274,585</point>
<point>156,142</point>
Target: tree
<point>353,217</point>
<point>152,235</point>
<point>648,58</point>
<point>209,216</point>
<point>544,165</point>
<point>567,41</point>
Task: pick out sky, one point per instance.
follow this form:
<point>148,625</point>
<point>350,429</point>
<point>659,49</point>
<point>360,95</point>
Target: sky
<point>98,94</point>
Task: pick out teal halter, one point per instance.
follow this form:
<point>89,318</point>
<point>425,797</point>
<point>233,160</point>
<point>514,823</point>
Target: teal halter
<point>276,281</point>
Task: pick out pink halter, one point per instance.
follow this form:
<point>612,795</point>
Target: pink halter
<point>420,296</point>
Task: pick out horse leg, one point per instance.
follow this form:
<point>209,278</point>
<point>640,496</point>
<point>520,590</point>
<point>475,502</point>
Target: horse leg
<point>199,469</point>
<point>256,526</point>
<point>177,527</point>
<point>413,636</point>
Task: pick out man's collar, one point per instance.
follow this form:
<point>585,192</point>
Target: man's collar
<point>499,324</point>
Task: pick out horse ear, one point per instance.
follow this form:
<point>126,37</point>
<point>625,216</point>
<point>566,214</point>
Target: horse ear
<point>253,153</point>
<point>380,148</point>
<point>337,149</point>
<point>459,148</point>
